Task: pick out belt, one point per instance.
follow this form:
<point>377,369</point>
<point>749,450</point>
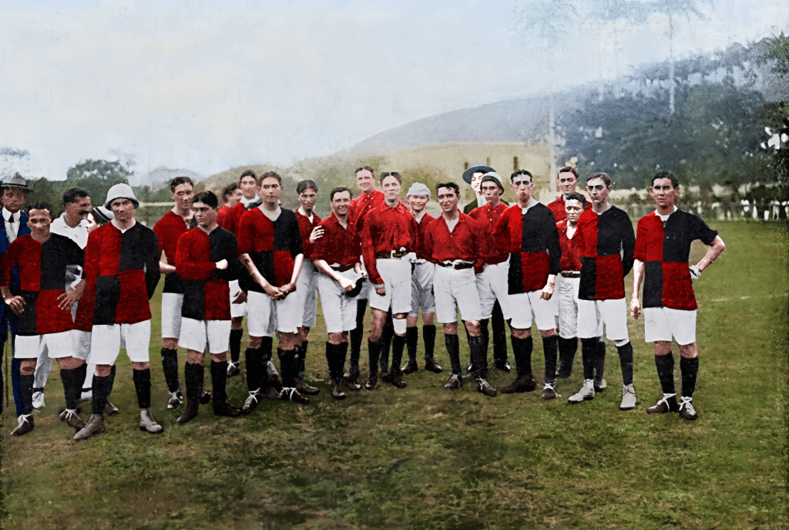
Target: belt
<point>571,274</point>
<point>340,268</point>
<point>394,254</point>
<point>456,266</point>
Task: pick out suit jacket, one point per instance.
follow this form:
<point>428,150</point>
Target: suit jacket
<point>23,230</point>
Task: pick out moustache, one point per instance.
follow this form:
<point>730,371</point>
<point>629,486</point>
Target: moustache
<point>84,212</point>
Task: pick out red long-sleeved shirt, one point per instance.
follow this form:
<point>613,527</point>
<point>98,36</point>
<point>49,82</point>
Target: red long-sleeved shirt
<point>488,217</point>
<point>168,230</point>
<point>338,245</point>
<point>421,227</point>
<point>464,242</point>
<point>571,254</point>
<point>305,228</point>
<point>387,229</point>
<point>360,206</point>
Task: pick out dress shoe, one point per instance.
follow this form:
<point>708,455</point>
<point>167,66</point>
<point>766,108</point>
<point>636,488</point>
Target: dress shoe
<point>148,424</point>
<point>95,425</point>
<point>190,411</point>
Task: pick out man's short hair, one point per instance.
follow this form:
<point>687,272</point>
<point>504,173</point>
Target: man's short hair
<point>604,176</point>
<point>667,175</point>
<point>248,173</point>
<point>576,197</point>
<point>394,174</point>
<point>39,206</point>
<point>206,197</point>
<point>73,195</point>
<point>449,185</point>
<point>521,172</point>
<point>364,168</point>
<point>305,185</point>
<point>569,169</point>
<point>271,175</point>
<point>177,181</point>
<point>337,190</point>
<point>228,190</point>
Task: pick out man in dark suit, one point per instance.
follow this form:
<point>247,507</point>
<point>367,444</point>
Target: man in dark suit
<point>13,193</point>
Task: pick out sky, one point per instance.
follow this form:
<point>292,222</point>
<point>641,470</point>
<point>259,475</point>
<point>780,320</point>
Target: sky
<point>210,85</point>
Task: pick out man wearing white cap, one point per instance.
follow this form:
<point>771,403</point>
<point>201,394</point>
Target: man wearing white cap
<point>422,273</point>
<point>122,257</point>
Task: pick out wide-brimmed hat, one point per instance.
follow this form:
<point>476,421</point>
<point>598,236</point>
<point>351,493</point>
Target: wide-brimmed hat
<point>17,182</point>
<point>121,191</point>
<point>476,168</point>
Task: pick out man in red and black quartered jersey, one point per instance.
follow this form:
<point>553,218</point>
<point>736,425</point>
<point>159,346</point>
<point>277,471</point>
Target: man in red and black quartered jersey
<point>122,258</point>
<point>337,256</point>
<point>44,309</point>
<point>527,230</point>
<point>168,229</point>
<point>663,241</point>
<point>270,247</point>
<point>388,237</point>
<point>454,243</point>
<point>307,286</point>
<point>422,273</point>
<point>206,259</point>
<point>492,281</point>
<point>606,241</point>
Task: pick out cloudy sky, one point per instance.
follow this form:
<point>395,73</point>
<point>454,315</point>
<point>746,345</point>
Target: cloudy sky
<point>208,85</point>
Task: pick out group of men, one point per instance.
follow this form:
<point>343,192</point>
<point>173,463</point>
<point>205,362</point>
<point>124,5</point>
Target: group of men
<point>80,293</point>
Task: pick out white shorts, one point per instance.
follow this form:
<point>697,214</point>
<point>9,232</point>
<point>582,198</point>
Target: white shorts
<point>263,311</point>
<point>492,286</point>
<point>56,345</point>
<point>456,289</point>
<point>307,289</point>
<point>107,339</point>
<point>81,341</point>
<point>339,311</point>
<point>236,310</point>
<point>196,334</point>
<point>661,323</point>
<point>422,289</point>
<point>593,314</point>
<point>528,307</point>
<point>396,274</point>
<point>567,292</point>
<point>171,315</point>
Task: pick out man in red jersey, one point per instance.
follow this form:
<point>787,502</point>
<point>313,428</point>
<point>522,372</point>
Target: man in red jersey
<point>270,247</point>
<point>492,281</point>
<point>231,194</point>
<point>307,286</point>
<point>122,258</point>
<point>249,185</point>
<point>423,271</point>
<point>606,241</point>
<point>454,243</point>
<point>567,282</point>
<point>336,255</point>
<point>44,310</point>
<point>527,230</point>
<point>662,250</point>
<point>389,235</point>
<point>369,197</point>
<point>206,259</point>
<point>567,180</point>
<point>168,229</point>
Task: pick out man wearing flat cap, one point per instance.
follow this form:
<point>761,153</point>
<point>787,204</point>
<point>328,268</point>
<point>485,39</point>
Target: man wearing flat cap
<point>473,176</point>
<point>122,257</point>
<point>14,192</point>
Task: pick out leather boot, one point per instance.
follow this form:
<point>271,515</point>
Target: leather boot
<point>397,377</point>
<point>95,425</point>
<point>410,366</point>
<point>190,411</point>
<point>148,424</point>
<point>301,385</point>
<point>24,426</point>
<point>432,366</point>
<point>72,419</point>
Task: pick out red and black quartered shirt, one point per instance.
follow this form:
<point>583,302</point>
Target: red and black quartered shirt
<point>339,245</point>
<point>305,228</point>
<point>125,269</point>
<point>42,275</point>
<point>206,289</point>
<point>168,230</point>
<point>606,242</point>
<point>533,244</point>
<point>272,246</point>
<point>488,217</point>
<point>665,251</point>
<point>464,242</point>
<point>571,254</point>
<point>386,229</point>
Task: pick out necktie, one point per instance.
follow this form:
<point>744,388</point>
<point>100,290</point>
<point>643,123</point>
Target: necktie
<point>12,224</point>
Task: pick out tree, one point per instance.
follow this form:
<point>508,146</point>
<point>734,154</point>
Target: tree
<point>97,177</point>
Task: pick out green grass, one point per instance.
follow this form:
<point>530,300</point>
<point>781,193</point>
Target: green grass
<point>426,458</point>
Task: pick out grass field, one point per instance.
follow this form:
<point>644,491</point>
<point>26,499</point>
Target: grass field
<point>424,457</point>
